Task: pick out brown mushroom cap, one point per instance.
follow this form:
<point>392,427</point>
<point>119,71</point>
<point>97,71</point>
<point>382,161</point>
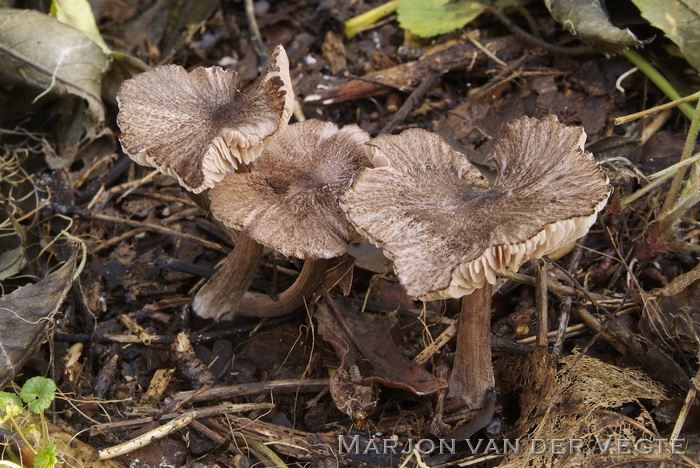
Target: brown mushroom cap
<point>447,232</point>
<point>198,126</point>
<point>289,200</point>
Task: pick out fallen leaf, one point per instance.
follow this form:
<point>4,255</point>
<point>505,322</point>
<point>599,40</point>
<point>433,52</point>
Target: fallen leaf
<point>673,315</point>
<point>429,18</point>
<point>26,315</point>
<point>370,335</point>
<point>12,242</point>
<point>587,19</point>
<point>350,394</point>
<point>38,51</point>
<point>78,13</point>
<point>680,22</point>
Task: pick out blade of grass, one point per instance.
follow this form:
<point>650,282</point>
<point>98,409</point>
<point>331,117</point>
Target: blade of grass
<point>672,196</point>
<point>654,110</point>
<point>658,79</point>
<point>355,24</point>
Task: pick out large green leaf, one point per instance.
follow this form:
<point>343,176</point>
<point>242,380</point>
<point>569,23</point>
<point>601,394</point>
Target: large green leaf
<point>680,22</point>
<point>78,13</point>
<point>432,17</point>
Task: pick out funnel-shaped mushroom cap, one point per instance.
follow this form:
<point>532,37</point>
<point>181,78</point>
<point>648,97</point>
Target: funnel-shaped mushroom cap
<point>447,232</point>
<point>289,201</point>
<point>198,126</point>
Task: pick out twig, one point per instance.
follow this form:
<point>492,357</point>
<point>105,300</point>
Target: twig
<point>126,187</point>
<point>138,331</point>
<point>412,101</point>
<point>644,190</point>
<point>224,408</point>
<point>119,168</point>
<point>229,391</point>
<point>565,308</point>
<point>115,240</point>
<point>672,195</point>
<point>672,169</point>
<point>689,401</point>
<point>428,352</point>
<point>658,79</point>
<point>568,332</point>
<point>654,110</point>
<point>138,224</point>
<point>685,409</point>
<point>541,301</point>
<point>486,51</point>
<point>147,438</point>
<point>556,288</point>
<point>255,36</point>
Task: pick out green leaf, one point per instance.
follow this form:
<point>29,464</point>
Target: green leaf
<point>78,13</point>
<point>38,393</point>
<point>34,435</point>
<point>47,457</point>
<point>10,406</point>
<point>680,22</point>
<point>428,18</point>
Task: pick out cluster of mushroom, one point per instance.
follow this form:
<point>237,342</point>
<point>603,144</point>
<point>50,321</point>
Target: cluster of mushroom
<point>199,128</point>
<point>314,187</point>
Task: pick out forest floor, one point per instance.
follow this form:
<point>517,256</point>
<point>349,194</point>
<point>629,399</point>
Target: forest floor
<point>622,311</point>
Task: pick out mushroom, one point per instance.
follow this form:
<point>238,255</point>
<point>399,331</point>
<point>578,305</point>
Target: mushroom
<point>197,126</point>
<point>449,233</point>
<point>289,201</point>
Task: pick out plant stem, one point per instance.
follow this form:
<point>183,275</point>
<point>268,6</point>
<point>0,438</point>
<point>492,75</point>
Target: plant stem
<point>654,110</point>
<point>658,79</point>
<point>222,293</point>
<point>354,25</point>
<point>261,451</point>
<point>310,278</point>
<point>672,195</point>
<point>472,373</point>
<point>20,433</point>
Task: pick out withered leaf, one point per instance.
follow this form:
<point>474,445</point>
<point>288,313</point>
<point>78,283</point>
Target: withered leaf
<point>27,313</point>
<point>350,394</point>
<point>12,242</point>
<point>38,51</point>
<point>680,22</point>
<point>370,335</point>
<point>588,20</point>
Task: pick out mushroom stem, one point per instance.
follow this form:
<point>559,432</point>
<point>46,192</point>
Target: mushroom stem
<point>310,278</point>
<point>222,293</point>
<point>472,373</point>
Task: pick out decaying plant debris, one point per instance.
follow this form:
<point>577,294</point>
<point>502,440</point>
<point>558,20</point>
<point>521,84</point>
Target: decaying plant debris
<point>599,343</point>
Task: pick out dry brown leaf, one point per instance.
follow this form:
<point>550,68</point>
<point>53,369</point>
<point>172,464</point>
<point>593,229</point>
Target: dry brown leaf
<point>27,314</point>
<point>370,335</point>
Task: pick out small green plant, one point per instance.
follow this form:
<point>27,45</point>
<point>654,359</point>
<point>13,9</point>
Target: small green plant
<point>35,397</point>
